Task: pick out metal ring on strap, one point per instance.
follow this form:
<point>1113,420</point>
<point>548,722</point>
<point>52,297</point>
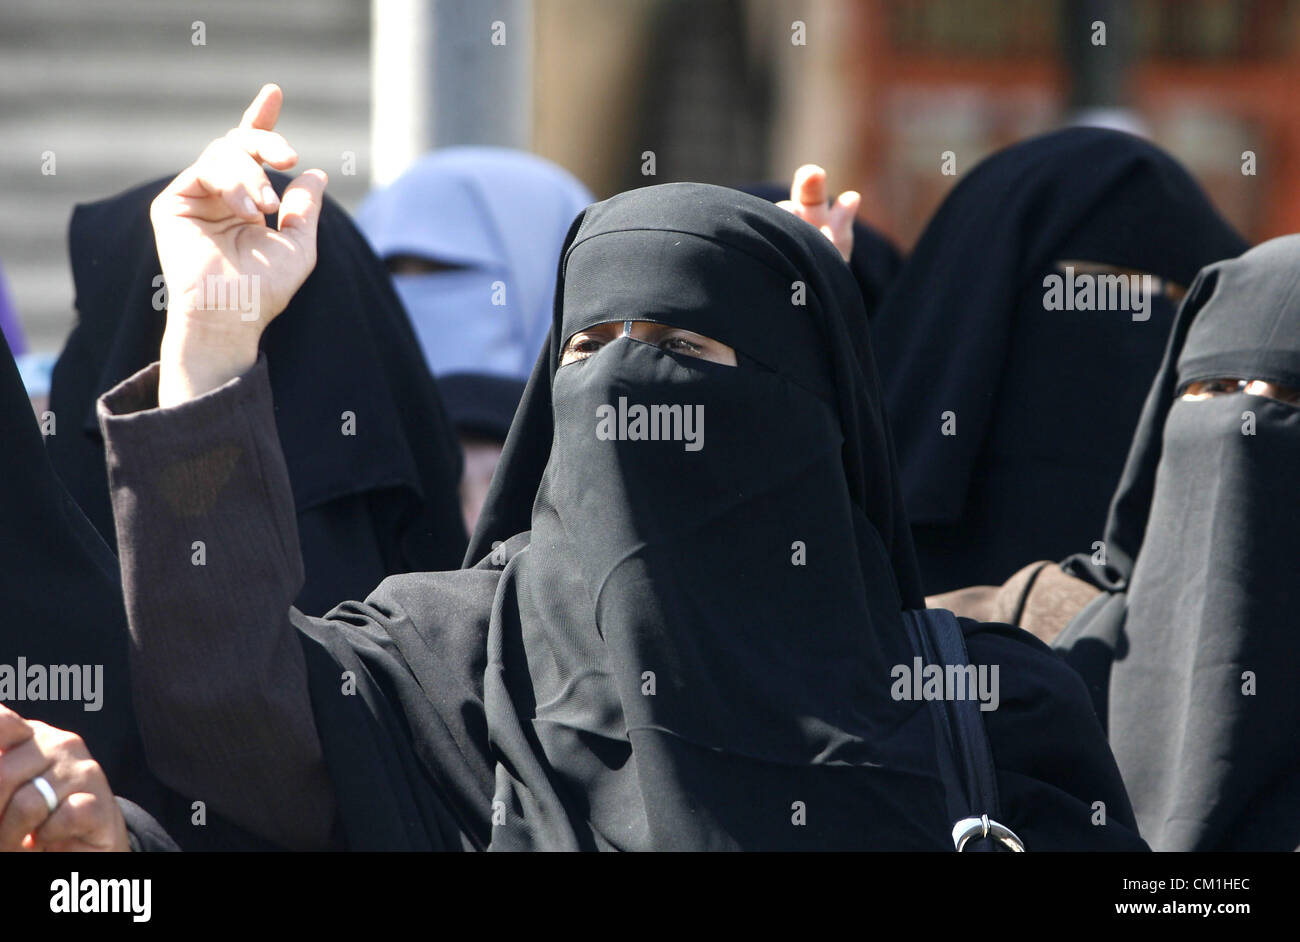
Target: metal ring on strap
<point>978,828</point>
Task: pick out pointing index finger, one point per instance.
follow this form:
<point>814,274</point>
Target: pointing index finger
<point>262,114</point>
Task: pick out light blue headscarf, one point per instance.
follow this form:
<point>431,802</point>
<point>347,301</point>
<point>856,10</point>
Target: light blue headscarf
<point>502,215</point>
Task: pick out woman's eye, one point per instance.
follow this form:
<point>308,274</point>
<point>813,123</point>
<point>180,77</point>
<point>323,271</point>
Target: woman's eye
<point>1221,386</point>
<point>581,348</point>
<point>682,345</point>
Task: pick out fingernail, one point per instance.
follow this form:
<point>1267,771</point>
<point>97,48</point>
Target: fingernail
<point>269,197</point>
<point>249,206</point>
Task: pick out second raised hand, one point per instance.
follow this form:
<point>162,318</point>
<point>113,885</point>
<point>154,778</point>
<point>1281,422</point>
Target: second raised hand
<point>809,201</point>
<point>227,273</point>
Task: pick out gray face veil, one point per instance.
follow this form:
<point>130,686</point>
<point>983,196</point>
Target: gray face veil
<point>1192,655</point>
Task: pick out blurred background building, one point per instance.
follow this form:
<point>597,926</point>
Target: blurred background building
<point>109,93</point>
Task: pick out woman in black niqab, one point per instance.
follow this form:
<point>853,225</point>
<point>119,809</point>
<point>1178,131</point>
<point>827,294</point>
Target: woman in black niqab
<point>682,563</point>
<point>374,461</point>
<point>1000,406</point>
<point>667,648</point>
<point>1191,653</point>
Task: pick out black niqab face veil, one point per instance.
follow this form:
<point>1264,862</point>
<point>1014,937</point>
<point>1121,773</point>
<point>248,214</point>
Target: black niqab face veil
<point>1001,402</point>
<point>1193,656</point>
<point>705,627</point>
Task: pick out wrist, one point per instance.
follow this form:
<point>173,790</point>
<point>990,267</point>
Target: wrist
<point>196,357</point>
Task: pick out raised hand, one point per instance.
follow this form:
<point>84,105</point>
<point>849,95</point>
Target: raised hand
<point>810,202</point>
<point>227,273</point>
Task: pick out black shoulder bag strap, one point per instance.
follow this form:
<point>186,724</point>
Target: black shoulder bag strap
<point>965,758</point>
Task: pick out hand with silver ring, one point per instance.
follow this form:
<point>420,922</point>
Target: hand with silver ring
<point>53,795</point>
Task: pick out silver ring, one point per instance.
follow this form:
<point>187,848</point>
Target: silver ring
<point>47,792</point>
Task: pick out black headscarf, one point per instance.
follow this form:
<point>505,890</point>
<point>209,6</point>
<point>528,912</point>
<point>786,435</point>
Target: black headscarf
<point>1045,401</point>
<point>380,501</point>
<point>1200,577</point>
<point>672,648</point>
<point>63,608</point>
<point>875,260</point>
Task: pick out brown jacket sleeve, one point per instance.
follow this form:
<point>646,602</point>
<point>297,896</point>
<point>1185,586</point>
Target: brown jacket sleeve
<point>207,535</point>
